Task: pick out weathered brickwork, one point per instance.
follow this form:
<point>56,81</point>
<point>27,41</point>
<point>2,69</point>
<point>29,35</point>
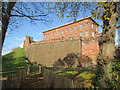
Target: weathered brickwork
<point>47,54</point>
<point>78,37</point>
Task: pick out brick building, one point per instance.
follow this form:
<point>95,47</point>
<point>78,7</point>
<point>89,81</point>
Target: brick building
<point>83,28</point>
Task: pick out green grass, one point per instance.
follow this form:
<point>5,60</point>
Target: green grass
<point>86,75</point>
<point>13,61</point>
<point>19,53</point>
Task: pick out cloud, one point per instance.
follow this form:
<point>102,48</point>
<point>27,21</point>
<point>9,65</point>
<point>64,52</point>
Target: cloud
<point>20,39</point>
<point>21,45</point>
<point>36,40</point>
<point>39,33</point>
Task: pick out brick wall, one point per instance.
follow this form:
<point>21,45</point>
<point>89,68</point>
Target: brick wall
<point>84,28</point>
<point>90,51</point>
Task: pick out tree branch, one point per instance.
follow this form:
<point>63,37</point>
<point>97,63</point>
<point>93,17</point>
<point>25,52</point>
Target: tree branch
<point>24,15</point>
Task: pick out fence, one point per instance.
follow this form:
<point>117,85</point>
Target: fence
<point>14,80</point>
<point>52,79</point>
<point>59,81</point>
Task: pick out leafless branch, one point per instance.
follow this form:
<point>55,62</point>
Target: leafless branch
<point>24,15</point>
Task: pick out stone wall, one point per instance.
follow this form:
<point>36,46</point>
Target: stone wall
<point>47,54</point>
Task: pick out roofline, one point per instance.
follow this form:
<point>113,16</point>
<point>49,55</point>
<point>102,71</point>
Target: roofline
<point>71,23</point>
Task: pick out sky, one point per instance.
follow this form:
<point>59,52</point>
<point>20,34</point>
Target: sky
<point>16,37</point>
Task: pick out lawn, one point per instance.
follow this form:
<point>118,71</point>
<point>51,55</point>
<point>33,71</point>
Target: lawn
<point>13,61</point>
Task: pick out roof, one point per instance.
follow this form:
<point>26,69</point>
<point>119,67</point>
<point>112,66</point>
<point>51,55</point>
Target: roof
<point>88,17</point>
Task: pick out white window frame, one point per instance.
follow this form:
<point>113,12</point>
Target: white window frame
<point>75,27</point>
<point>70,28</point>
<point>86,24</point>
<point>66,30</point>
<point>81,33</point>
<point>54,33</point>
<point>97,29</point>
<point>92,26</point>
<point>86,33</point>
<point>80,26</point>
<point>75,34</point>
<point>62,31</point>
<point>44,36</point>
<point>59,32</point>
<point>50,34</point>
<point>93,34</point>
<point>71,35</point>
<point>67,37</point>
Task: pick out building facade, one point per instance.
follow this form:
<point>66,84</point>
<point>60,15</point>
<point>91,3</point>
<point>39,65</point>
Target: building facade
<point>84,28</point>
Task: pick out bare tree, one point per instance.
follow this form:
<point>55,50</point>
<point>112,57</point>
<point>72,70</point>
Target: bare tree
<point>13,12</point>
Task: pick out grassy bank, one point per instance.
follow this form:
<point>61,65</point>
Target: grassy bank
<point>13,61</point>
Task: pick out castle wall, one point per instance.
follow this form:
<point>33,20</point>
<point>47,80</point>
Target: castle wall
<point>90,51</point>
<point>47,54</point>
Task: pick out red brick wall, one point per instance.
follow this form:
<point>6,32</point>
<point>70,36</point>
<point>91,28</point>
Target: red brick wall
<point>61,31</point>
<point>90,50</point>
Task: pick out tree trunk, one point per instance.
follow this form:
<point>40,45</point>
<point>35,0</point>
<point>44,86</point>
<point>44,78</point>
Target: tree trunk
<point>107,45</point>
<point>5,18</point>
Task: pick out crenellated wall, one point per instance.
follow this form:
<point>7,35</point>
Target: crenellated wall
<point>47,54</point>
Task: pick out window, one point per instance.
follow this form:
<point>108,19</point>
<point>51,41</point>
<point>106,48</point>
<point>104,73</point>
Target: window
<point>62,37</point>
<point>75,27</point>
<point>86,33</point>
<point>70,35</point>
<point>66,37</point>
<point>50,34</point>
<point>62,31</point>
<point>92,34</point>
<point>80,25</point>
<point>86,24</point>
<point>75,34</point>
<point>58,32</point>
<point>66,30</point>
<point>96,29</point>
<point>92,25</point>
<point>71,29</point>
<point>54,33</point>
<point>44,36</point>
<point>81,33</point>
